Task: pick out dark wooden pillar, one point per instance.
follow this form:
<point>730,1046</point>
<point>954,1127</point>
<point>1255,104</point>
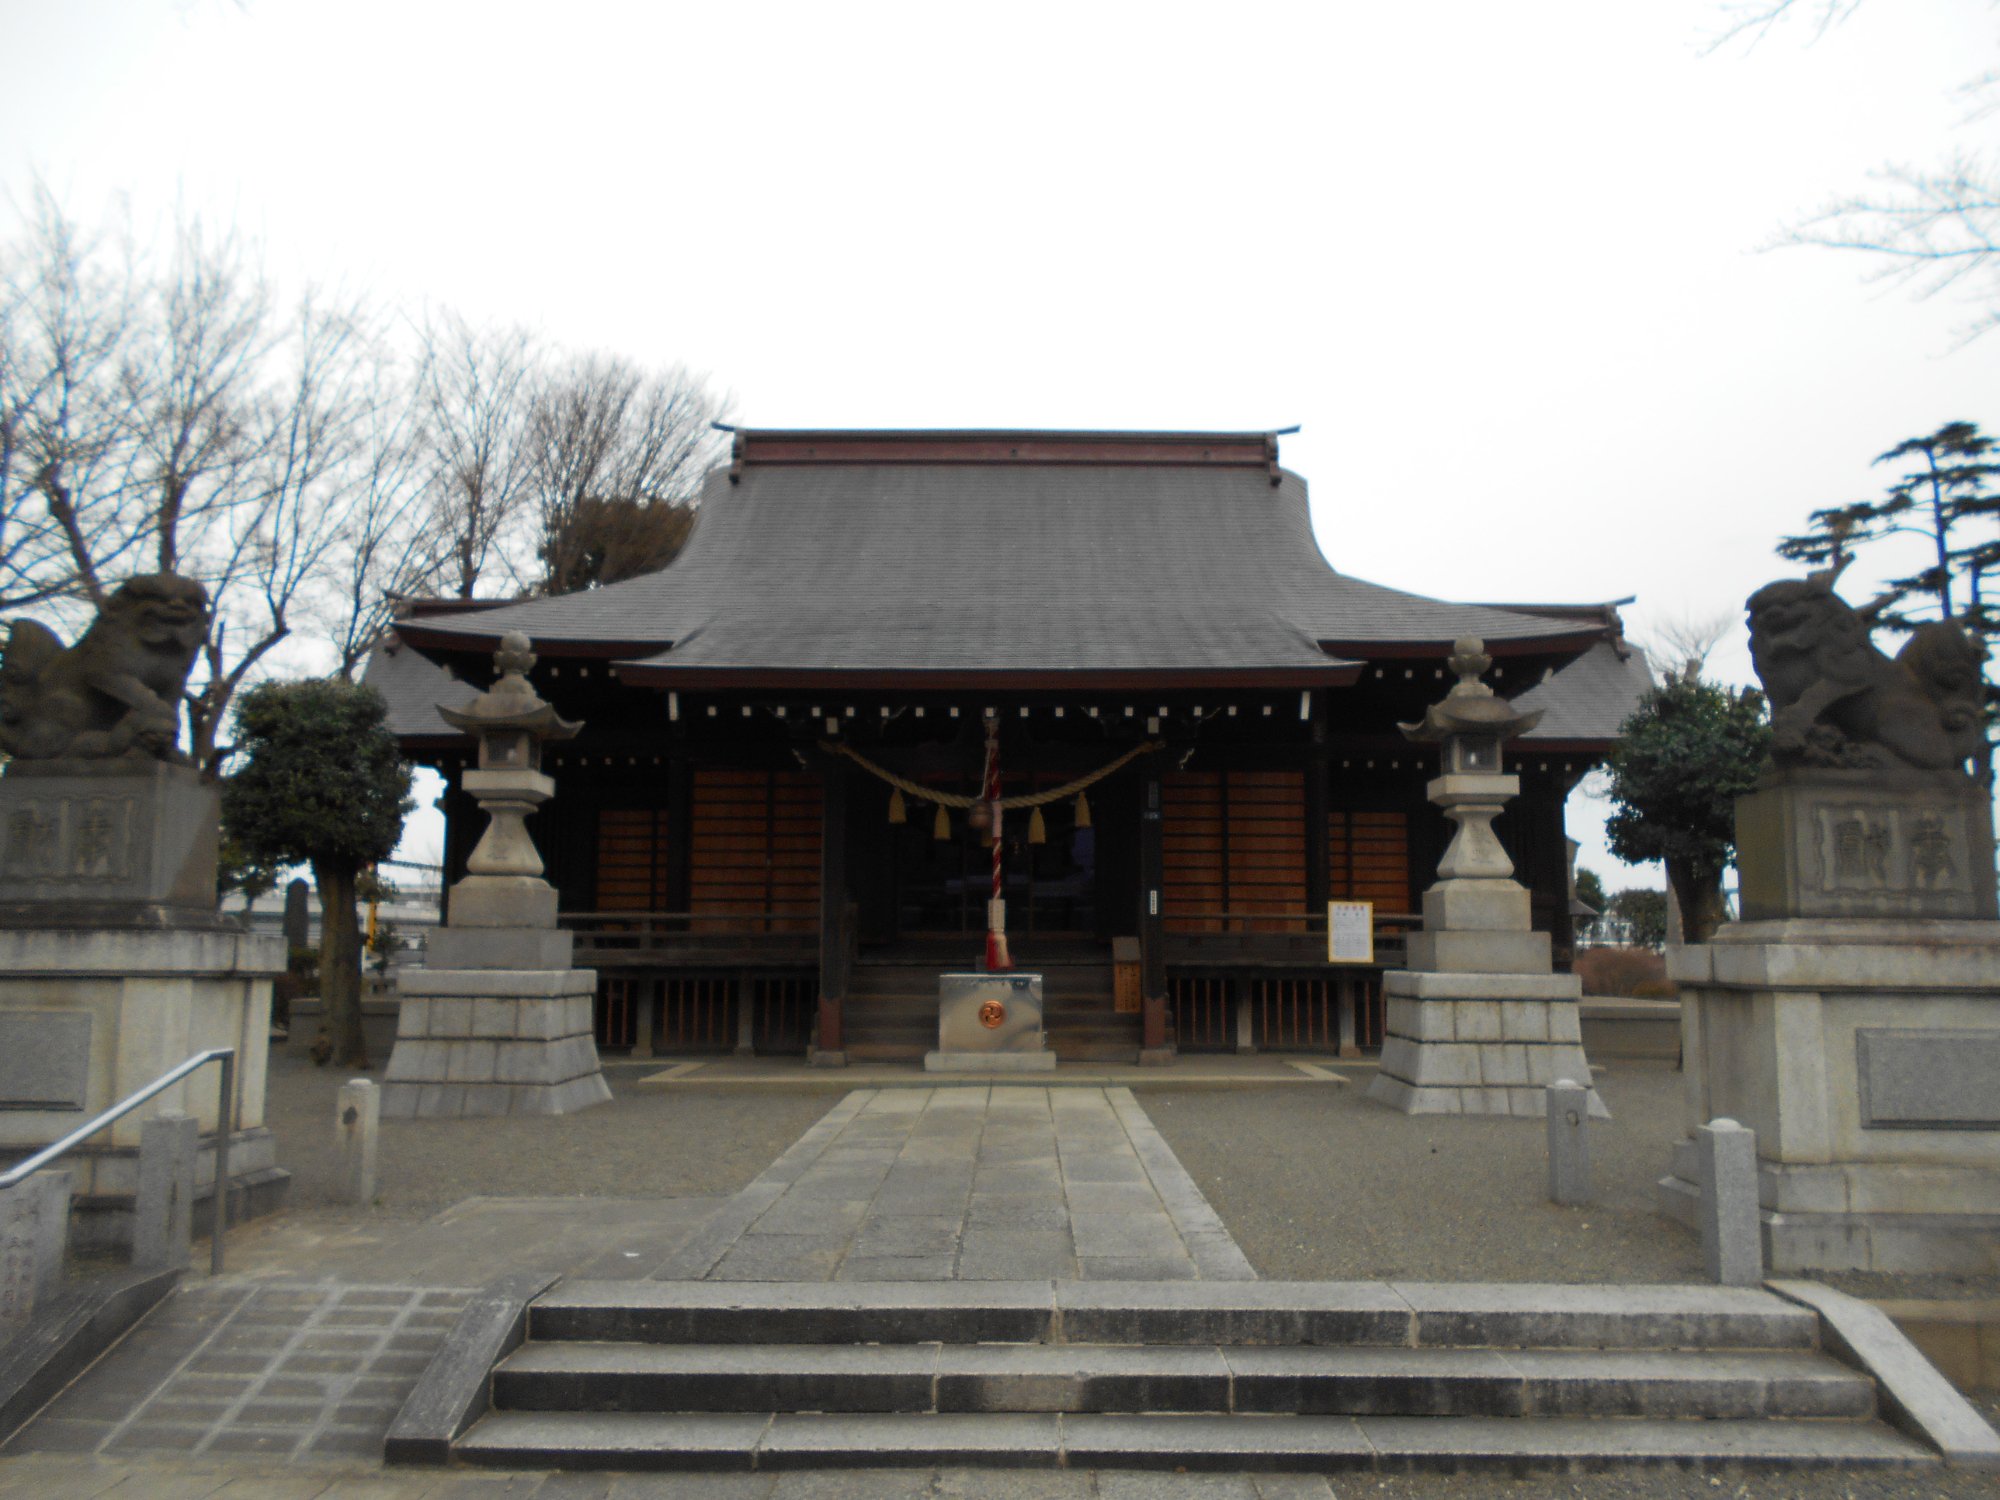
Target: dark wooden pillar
<point>835,942</point>
<point>1318,770</point>
<point>1157,1046</point>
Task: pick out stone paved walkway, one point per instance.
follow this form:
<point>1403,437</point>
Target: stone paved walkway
<point>1002,1183</point>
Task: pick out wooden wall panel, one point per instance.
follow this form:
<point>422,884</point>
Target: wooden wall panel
<point>634,855</point>
<point>1368,859</point>
<point>754,847</point>
<point>1236,841</point>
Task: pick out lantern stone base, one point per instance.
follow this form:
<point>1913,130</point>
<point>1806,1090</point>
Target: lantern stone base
<point>1479,1044</point>
<point>1865,1054</point>
<point>473,1042</point>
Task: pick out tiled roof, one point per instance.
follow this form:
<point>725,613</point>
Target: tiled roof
<point>413,687</point>
<point>1591,697</point>
<point>1024,567</point>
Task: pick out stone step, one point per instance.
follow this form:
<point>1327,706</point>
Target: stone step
<point>1393,1314</point>
<point>952,1378</point>
<point>1313,1444</point>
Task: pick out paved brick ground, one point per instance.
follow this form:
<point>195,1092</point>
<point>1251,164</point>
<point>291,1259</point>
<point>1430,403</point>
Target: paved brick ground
<point>971,1184</point>
<point>280,1370</point>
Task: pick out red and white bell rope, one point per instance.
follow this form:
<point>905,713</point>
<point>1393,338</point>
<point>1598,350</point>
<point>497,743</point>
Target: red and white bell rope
<point>997,960</point>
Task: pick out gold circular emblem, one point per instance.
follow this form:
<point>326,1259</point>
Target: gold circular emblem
<point>991,1014</point>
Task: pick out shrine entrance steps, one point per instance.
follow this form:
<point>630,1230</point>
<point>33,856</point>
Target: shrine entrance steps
<point>1230,1376</point>
<point>891,1009</point>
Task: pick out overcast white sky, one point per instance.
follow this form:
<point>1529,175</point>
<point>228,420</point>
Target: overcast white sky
<point>1501,261</point>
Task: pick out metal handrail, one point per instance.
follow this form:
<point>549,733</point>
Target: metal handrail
<point>225,1116</point>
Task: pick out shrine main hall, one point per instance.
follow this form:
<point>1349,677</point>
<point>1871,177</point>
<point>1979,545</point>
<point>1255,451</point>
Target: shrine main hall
<point>763,835</point>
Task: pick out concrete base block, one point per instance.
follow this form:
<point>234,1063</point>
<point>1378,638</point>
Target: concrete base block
<point>1480,952</point>
<point>499,948</point>
<point>1479,1044</point>
<point>1856,1217</point>
<point>1866,1056</point>
<point>467,1047</point>
<point>90,1015</point>
<point>34,1237</point>
<point>506,903</point>
<point>989,1062</point>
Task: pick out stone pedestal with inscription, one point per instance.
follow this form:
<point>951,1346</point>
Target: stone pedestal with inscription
<point>114,967</point>
<point>1853,1021</point>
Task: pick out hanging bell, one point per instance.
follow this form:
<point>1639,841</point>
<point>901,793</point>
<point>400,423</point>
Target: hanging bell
<point>897,812</point>
<point>1038,831</point>
<point>1082,811</point>
<point>941,828</point>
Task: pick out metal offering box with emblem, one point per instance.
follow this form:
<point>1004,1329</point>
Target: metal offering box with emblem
<point>990,1021</point>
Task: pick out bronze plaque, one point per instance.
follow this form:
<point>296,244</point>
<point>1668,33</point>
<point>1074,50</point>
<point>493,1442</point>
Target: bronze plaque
<point>992,1014</point>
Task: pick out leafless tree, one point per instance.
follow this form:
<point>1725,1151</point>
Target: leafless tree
<point>163,410</point>
<point>68,310</point>
<point>618,458</point>
<point>477,391</point>
<point>1933,229</point>
<point>1680,645</point>
<point>392,545</point>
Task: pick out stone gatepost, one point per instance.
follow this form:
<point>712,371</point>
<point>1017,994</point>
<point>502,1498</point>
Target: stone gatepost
<point>1477,1024</point>
<point>497,1022</point>
<point>115,962</point>
<point>1851,1018</point>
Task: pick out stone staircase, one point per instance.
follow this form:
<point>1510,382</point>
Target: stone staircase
<point>891,1012</point>
<point>1241,1376</point>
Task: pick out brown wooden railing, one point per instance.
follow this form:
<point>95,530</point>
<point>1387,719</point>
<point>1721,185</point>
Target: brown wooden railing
<point>646,936</point>
<point>1290,938</point>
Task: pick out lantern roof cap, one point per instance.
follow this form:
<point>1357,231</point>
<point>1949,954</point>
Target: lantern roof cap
<point>1471,707</point>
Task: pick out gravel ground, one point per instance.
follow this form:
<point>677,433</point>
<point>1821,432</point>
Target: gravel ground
<point>1321,1184</point>
<point>647,1142</point>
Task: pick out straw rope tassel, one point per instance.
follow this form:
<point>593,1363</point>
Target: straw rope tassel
<point>1082,810</point>
<point>1038,831</point>
<point>941,826</point>
<point>897,812</point>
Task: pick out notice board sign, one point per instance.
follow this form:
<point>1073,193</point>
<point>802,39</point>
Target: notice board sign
<point>1350,932</point>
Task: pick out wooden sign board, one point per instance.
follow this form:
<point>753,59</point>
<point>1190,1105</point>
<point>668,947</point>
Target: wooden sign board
<point>1350,932</point>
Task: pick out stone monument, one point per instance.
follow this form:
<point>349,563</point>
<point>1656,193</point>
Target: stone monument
<point>115,964</point>
<point>1851,1018</point>
<point>497,1022</point>
<point>1477,1024</point>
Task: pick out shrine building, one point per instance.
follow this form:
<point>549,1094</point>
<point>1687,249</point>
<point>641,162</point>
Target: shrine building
<point>761,836</point>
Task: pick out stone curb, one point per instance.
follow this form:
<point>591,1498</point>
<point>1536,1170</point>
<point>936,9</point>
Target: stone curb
<point>455,1389</point>
<point>1209,1244</point>
<point>68,1335</point>
<point>1914,1396</point>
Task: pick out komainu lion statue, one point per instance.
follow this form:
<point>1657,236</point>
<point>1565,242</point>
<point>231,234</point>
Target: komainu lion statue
<point>1836,700</point>
<point>116,693</point>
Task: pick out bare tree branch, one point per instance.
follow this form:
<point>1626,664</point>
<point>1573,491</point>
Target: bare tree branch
<point>476,390</point>
<point>1752,20</point>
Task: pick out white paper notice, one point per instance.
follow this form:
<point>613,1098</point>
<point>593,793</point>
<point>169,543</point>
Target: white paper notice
<point>1350,932</point>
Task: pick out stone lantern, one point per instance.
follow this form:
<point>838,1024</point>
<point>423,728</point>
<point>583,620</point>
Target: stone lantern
<point>511,722</point>
<point>1470,726</point>
<point>1477,1023</point>
<point>497,1022</point>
